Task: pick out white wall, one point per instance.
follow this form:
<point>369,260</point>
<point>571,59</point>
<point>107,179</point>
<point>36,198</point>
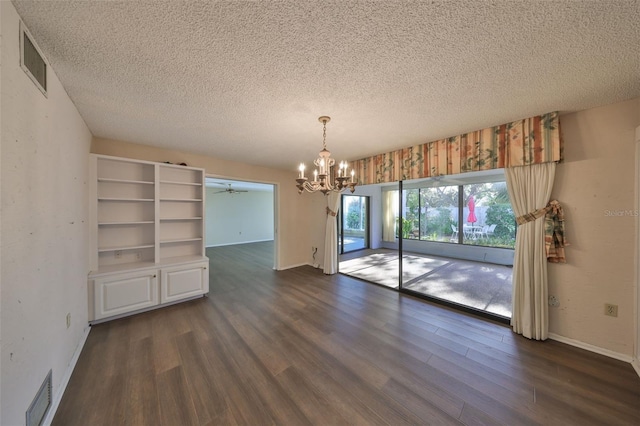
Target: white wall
<point>1,42</point>
<point>596,186</point>
<point>238,218</point>
<point>44,229</point>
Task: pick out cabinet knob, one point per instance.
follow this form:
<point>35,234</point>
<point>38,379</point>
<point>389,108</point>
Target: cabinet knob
<point>154,275</point>
<point>205,267</point>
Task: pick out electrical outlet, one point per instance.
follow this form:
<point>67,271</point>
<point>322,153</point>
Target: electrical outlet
<point>554,302</point>
<point>69,320</point>
<point>118,254</point>
<point>611,310</point>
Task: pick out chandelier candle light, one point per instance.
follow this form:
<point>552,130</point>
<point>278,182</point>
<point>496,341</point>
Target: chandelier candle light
<point>324,163</point>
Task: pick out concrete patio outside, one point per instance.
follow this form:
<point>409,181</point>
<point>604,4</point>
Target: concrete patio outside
<point>481,286</point>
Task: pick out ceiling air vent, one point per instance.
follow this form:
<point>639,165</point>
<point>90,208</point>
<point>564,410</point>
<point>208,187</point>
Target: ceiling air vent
<point>41,403</point>
<point>32,60</point>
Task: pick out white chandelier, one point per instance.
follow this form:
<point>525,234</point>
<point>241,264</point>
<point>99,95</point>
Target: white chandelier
<point>324,177</point>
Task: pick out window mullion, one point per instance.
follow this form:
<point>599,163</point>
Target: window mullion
<point>460,214</point>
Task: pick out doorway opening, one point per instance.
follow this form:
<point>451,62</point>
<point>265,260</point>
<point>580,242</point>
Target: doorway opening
<point>241,213</point>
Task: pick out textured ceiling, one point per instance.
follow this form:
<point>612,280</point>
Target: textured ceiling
<point>246,81</point>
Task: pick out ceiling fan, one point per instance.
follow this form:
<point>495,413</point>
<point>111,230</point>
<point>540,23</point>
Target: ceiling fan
<point>229,190</point>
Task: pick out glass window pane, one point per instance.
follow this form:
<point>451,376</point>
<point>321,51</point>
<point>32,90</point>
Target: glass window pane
<point>411,214</point>
<point>488,216</point>
<point>354,223</point>
<point>439,209</point>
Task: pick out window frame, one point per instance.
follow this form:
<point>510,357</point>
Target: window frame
<point>460,182</point>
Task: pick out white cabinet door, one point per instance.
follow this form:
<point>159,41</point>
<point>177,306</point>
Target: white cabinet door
<point>119,294</point>
<point>184,281</point>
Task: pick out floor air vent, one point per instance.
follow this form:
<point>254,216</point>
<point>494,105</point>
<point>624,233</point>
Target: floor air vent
<point>40,404</point>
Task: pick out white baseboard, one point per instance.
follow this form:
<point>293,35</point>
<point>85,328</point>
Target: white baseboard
<point>65,379</point>
<point>239,242</point>
<point>592,348</point>
<point>294,266</point>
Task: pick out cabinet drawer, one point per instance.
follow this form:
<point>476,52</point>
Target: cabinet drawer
<point>185,281</point>
<point>119,294</point>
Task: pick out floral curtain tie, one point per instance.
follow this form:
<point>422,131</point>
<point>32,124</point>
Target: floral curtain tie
<point>331,212</point>
<point>554,239</point>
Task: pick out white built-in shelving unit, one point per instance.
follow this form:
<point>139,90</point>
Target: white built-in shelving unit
<point>148,235</point>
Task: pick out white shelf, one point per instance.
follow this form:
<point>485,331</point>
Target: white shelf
<point>144,200</point>
<point>122,267</point>
<point>142,222</point>
<point>124,248</point>
<point>172,182</point>
<point>183,259</point>
<point>142,182</point>
<point>180,240</point>
<point>136,266</point>
<point>141,206</point>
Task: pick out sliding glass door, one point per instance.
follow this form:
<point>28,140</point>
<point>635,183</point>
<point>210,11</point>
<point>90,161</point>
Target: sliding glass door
<point>447,239</point>
<point>354,223</point>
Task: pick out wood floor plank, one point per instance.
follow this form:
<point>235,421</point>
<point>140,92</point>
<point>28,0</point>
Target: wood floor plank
<point>330,375</point>
<point>264,348</point>
<point>140,398</point>
<point>243,405</point>
<point>423,408</point>
<point>247,368</point>
<point>518,396</point>
<point>206,394</point>
<point>402,368</point>
<point>317,406</point>
<point>174,398</point>
<point>299,347</point>
<point>165,349</point>
<point>472,416</point>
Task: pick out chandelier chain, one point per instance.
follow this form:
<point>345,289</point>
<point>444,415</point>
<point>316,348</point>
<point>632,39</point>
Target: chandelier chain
<point>324,134</point>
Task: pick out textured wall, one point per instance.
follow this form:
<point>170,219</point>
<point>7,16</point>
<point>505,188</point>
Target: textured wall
<point>45,147</point>
<point>596,186</point>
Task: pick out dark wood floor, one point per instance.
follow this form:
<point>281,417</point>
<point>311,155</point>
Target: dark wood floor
<point>297,347</point>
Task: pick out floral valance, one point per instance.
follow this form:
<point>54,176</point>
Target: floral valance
<point>524,142</point>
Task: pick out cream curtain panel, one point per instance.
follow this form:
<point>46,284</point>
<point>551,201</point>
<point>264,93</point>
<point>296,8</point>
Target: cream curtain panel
<point>390,200</point>
<point>331,234</point>
<point>529,190</point>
